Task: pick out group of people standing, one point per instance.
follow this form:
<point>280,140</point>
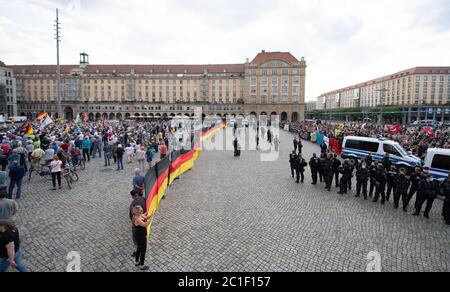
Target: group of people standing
<point>379,180</point>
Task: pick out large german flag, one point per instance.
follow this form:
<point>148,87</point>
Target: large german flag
<point>182,161</point>
<point>162,169</point>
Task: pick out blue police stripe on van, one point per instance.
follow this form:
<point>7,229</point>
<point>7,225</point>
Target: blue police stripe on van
<point>363,154</point>
<point>439,174</point>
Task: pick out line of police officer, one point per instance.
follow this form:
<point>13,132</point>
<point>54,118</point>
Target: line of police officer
<point>377,180</point>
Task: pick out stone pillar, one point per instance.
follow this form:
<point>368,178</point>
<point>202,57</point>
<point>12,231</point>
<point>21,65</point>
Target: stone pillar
<point>409,116</point>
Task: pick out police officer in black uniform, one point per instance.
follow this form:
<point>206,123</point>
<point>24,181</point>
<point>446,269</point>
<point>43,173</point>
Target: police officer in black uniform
<point>295,144</point>
<point>380,185</point>
<point>345,171</point>
<point>292,161</point>
<point>314,164</point>
<point>323,158</point>
<point>300,165</point>
<point>336,164</point>
<point>392,175</point>
<point>352,169</point>
<point>402,184</point>
<point>362,178</point>
<point>373,168</point>
<point>428,191</point>
<point>415,179</point>
<point>445,191</point>
<point>369,160</point>
<point>327,168</point>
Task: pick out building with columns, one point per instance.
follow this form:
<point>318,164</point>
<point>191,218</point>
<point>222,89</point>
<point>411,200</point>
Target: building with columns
<point>272,83</point>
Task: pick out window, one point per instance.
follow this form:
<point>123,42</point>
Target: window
<point>362,145</point>
<point>391,150</point>
<point>441,162</point>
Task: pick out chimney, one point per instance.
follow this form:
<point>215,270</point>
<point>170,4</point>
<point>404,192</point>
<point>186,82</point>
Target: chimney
<point>263,51</point>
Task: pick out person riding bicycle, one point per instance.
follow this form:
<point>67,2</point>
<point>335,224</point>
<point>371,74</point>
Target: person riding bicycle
<point>75,154</point>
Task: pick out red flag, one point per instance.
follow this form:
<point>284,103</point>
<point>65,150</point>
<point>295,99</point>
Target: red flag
<point>394,129</point>
<point>428,131</point>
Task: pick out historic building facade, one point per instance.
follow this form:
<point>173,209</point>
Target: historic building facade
<point>8,97</point>
<point>273,83</point>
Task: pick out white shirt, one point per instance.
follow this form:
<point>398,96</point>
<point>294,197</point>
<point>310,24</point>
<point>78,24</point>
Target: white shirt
<point>56,166</point>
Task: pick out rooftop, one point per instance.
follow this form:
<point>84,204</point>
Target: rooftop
<point>269,56</point>
<point>404,73</point>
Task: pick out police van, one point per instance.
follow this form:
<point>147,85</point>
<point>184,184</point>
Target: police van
<point>360,147</point>
<point>438,160</point>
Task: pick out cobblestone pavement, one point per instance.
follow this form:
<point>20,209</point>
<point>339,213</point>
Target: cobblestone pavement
<point>226,214</point>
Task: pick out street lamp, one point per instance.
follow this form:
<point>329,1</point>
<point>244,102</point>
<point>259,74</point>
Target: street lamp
<point>382,98</point>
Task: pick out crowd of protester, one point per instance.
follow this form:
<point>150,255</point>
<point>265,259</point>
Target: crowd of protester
<point>64,145</point>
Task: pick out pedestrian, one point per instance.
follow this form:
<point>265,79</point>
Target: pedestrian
<point>149,154</point>
<point>8,208</point>
<point>86,149</point>
<point>402,184</point>
<point>141,157</point>
<point>56,171</point>
<point>300,168</point>
<point>138,181</point>
<point>163,150</point>
<point>373,169</point>
<point>386,162</point>
<point>428,190</point>
<point>300,147</point>
<point>137,200</point>
<point>16,174</point>
<point>362,179</point>
<point>345,171</point>
<point>295,144</point>
<point>107,154</point>
<point>129,150</point>
<point>314,164</point>
<point>335,169</point>
<point>276,143</point>
<point>141,223</point>
<point>327,168</point>
<point>10,253</point>
<point>445,191</point>
<point>392,175</point>
<point>415,178</point>
<point>119,153</point>
<point>323,147</point>
<point>380,189</point>
<point>292,162</point>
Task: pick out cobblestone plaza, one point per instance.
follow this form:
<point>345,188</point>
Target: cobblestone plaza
<point>226,214</point>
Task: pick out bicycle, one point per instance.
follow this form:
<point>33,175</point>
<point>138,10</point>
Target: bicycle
<point>81,163</point>
<point>70,176</point>
<point>44,171</point>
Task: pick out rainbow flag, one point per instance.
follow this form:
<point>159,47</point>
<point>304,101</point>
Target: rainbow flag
<point>41,116</point>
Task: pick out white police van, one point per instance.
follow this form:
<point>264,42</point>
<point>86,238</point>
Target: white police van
<point>438,160</point>
<point>360,147</point>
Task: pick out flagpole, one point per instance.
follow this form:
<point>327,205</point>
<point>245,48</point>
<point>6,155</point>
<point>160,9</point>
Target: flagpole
<point>58,66</point>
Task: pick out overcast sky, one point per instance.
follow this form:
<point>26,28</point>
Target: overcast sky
<point>344,42</point>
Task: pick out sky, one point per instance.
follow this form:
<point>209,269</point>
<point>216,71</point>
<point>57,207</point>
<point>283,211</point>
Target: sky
<point>344,42</point>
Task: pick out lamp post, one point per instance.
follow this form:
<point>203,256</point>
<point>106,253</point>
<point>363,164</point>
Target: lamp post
<point>58,66</point>
<point>382,98</point>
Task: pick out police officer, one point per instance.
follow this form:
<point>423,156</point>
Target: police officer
<point>380,185</point>
<point>392,175</point>
<point>373,173</point>
<point>415,179</point>
<point>323,158</point>
<point>300,165</point>
<point>327,168</point>
<point>386,162</point>
<point>314,164</point>
<point>445,191</point>
<point>362,178</point>
<point>292,161</point>
<point>336,164</point>
<point>369,160</point>
<point>345,170</point>
<point>402,184</point>
<point>295,144</point>
<point>428,191</point>
<point>323,147</point>
<point>352,169</point>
